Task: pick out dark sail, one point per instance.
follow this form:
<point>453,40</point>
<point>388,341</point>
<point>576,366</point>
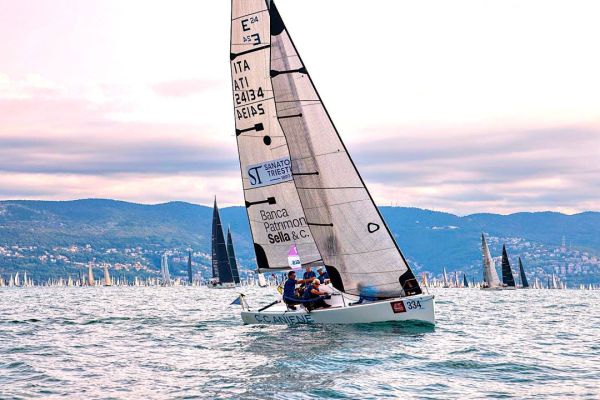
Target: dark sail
<point>524,282</point>
<point>507,276</point>
<point>232,262</point>
<point>220,260</point>
<point>190,275</point>
<point>465,281</point>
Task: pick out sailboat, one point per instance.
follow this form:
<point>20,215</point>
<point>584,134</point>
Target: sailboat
<point>189,270</point>
<point>164,270</point>
<point>465,281</point>
<point>232,261</point>
<point>17,279</point>
<point>107,281</point>
<point>222,274</point>
<point>90,275</point>
<point>508,278</point>
<point>446,283</point>
<point>490,275</point>
<point>524,282</point>
<point>302,189</point>
<point>262,281</point>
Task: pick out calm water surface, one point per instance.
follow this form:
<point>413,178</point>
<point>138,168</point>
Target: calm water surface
<point>172,343</point>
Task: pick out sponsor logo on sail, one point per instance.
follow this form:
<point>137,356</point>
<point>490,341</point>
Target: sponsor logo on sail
<point>270,172</point>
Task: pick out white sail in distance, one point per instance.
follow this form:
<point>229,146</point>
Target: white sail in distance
<point>490,275</point>
<point>300,184</point>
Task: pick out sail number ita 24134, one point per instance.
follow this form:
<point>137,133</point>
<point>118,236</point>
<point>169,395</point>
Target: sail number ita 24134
<point>270,172</point>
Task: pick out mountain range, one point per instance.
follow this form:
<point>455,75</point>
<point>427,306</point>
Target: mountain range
<point>429,239</point>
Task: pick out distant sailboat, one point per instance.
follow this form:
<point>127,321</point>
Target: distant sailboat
<point>107,281</point>
<point>90,275</point>
<point>524,282</point>
<point>189,270</point>
<point>446,282</point>
<point>262,281</point>
<point>301,187</point>
<point>490,275</point>
<point>232,261</point>
<point>507,275</point>
<point>222,275</point>
<point>164,270</point>
<point>465,281</point>
<point>17,279</point>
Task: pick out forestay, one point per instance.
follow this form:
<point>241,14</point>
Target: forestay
<point>282,125</point>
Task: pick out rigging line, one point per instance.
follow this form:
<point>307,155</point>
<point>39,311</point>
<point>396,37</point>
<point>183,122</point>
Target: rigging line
<point>254,102</point>
<point>247,15</point>
<point>318,155</point>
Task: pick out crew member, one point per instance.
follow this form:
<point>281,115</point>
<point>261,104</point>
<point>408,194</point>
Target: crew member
<point>289,290</point>
<point>312,292</point>
<point>309,275</point>
<point>323,275</point>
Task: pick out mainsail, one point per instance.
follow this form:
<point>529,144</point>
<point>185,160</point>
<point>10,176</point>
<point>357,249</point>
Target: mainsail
<point>220,259</point>
<point>232,262</point>
<point>524,282</point>
<point>490,275</point>
<point>507,276</point>
<point>465,281</point>
<point>300,184</point>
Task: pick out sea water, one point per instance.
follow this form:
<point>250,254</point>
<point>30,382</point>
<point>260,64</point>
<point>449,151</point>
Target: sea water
<point>188,342</point>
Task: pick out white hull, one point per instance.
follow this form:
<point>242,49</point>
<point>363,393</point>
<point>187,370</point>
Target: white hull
<point>413,308</point>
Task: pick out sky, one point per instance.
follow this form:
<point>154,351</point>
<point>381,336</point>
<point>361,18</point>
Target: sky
<point>462,106</point>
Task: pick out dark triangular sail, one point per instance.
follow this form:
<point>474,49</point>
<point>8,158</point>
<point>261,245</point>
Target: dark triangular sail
<point>524,282</point>
<point>189,265</point>
<point>465,281</point>
<point>232,261</point>
<point>220,260</point>
<point>507,276</point>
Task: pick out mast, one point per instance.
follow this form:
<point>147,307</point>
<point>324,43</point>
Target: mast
<point>220,259</point>
<point>490,275</point>
<point>507,276</point>
<point>524,282</point>
<point>300,184</point>
<point>231,253</point>
<point>189,265</point>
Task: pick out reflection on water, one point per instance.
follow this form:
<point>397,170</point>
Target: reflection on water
<point>168,343</point>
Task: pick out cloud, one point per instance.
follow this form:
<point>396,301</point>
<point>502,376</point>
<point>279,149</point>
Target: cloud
<point>505,171</point>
